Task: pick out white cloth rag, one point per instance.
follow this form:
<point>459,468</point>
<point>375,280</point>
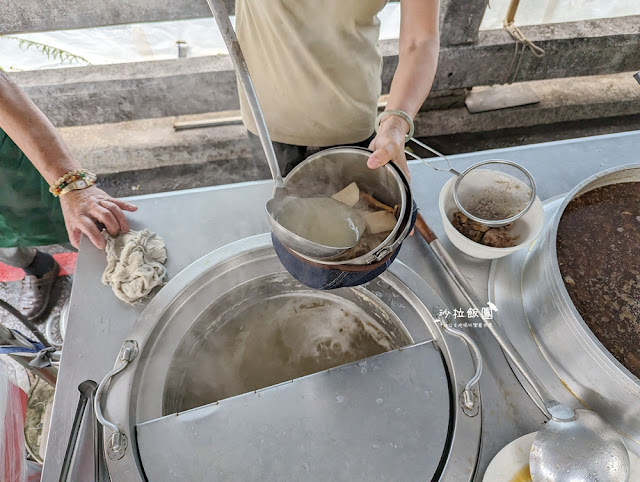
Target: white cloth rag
<point>135,264</point>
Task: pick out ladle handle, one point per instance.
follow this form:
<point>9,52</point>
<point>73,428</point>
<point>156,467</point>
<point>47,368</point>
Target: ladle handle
<point>242,71</point>
<point>432,150</point>
<point>472,298</point>
<point>424,229</point>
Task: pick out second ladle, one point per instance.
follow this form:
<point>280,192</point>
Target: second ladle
<point>573,445</point>
<point>280,197</point>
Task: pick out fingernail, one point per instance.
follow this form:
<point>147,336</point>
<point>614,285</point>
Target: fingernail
<point>372,164</point>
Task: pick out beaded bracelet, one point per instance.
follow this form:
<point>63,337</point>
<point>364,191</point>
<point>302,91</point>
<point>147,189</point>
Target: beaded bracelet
<point>76,179</point>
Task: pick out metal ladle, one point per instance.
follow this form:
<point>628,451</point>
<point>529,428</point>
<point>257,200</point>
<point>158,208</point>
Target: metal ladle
<point>279,196</point>
<point>573,445</point>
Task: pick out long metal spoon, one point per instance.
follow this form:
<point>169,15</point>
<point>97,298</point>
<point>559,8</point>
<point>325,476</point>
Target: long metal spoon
<point>573,445</point>
<point>279,196</point>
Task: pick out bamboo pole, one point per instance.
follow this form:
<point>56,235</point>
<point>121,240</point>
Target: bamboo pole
<point>511,11</point>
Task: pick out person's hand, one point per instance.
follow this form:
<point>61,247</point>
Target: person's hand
<point>388,145</point>
<point>83,208</point>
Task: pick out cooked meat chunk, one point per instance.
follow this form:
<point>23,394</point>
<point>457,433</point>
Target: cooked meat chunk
<point>498,238</point>
<point>483,234</point>
<point>468,228</point>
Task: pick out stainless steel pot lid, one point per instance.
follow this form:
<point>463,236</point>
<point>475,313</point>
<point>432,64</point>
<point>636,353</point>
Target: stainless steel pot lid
<point>392,415</point>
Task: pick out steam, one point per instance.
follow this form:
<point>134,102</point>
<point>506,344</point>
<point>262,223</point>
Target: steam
<point>287,332</point>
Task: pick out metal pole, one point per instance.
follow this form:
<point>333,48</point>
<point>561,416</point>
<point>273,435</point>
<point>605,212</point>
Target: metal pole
<point>242,71</point>
<point>49,374</point>
<point>472,298</point>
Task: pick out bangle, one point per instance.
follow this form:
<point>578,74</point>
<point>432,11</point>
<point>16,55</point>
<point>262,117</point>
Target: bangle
<point>76,179</point>
<point>75,185</point>
<point>399,113</point>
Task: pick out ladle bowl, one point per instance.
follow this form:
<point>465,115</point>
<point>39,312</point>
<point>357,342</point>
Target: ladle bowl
<point>578,445</point>
<point>298,243</point>
<point>324,174</point>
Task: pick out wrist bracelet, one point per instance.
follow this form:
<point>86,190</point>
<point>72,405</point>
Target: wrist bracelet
<point>76,179</point>
<point>399,113</point>
<point>76,185</point>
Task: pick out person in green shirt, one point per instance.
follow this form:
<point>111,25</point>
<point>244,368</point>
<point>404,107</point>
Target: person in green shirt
<point>33,156</point>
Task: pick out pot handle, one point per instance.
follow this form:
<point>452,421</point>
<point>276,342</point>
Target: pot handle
<point>117,444</point>
<point>469,400</point>
<point>432,150</point>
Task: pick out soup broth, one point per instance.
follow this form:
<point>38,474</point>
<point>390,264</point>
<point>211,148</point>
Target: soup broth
<point>598,247</point>
<point>321,220</point>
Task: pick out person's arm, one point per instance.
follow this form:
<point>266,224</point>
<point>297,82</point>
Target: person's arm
<point>419,46</point>
<point>38,139</point>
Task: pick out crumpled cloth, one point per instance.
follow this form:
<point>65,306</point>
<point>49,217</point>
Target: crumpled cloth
<point>135,264</point>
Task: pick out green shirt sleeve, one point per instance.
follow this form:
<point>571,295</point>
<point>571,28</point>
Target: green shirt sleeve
<point>29,214</point>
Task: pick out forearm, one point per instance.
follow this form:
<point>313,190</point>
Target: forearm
<point>413,77</point>
<point>33,133</point>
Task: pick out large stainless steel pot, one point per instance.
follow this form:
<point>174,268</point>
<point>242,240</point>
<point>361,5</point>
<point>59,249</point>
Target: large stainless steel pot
<point>585,367</point>
<point>411,424</point>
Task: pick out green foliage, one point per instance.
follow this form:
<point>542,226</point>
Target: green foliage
<point>52,53</point>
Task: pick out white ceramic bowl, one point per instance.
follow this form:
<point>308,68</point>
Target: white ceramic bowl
<point>528,227</point>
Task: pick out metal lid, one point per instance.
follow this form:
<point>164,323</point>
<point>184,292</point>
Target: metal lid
<point>388,415</point>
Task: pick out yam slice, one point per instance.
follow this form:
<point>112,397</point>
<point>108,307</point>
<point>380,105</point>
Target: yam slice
<point>379,222</point>
<point>350,195</point>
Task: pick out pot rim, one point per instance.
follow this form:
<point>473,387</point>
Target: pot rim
<point>121,397</point>
<point>555,267</point>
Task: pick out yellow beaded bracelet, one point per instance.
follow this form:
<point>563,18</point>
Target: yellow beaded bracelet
<point>76,179</point>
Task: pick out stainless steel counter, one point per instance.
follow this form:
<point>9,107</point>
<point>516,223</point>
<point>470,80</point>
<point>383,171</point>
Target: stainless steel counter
<point>195,222</point>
